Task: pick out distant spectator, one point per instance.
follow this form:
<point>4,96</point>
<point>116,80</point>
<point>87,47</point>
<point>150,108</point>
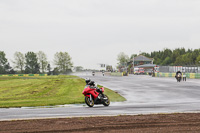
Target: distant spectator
<point>184,77</point>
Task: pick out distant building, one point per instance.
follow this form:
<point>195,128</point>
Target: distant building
<point>142,60</point>
<point>101,67</point>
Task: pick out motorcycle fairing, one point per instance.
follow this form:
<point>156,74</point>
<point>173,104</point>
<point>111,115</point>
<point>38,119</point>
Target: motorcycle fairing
<point>87,91</point>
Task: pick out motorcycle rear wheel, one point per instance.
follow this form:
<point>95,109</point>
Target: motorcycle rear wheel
<point>89,102</point>
<point>107,101</point>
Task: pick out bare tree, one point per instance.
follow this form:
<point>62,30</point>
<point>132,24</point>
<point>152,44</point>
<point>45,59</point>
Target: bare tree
<point>42,58</point>
<point>63,61</point>
<point>19,61</point>
<point>122,58</point>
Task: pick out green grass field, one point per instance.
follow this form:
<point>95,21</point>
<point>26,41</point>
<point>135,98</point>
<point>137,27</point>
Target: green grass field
<point>44,91</point>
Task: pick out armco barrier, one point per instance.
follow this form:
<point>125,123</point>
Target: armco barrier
<point>188,75</point>
<point>22,75</point>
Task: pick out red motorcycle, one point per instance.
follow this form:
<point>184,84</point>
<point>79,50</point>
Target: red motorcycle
<point>94,95</point>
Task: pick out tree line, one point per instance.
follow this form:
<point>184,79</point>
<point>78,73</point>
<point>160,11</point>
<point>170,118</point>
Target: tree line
<point>178,56</point>
<point>165,57</point>
<point>35,63</point>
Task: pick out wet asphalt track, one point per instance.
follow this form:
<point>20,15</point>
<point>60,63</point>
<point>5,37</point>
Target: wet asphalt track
<point>144,95</point>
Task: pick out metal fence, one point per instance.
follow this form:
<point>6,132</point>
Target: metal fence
<point>186,69</point>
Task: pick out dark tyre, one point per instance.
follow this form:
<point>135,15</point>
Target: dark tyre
<point>89,102</point>
<point>106,101</point>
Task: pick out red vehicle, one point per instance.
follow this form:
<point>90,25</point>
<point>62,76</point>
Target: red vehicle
<point>94,95</point>
<point>139,71</point>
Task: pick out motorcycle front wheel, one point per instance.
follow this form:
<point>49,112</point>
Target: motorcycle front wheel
<point>89,102</point>
<point>106,101</point>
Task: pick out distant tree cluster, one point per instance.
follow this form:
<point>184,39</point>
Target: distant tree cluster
<point>35,63</point>
<point>123,61</point>
<point>4,64</point>
<point>179,56</point>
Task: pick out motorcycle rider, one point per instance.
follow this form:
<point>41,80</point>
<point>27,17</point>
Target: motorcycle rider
<point>93,73</point>
<point>103,73</point>
<point>92,85</point>
<point>94,95</point>
<point>178,74</point>
<point>184,77</point>
<point>87,80</point>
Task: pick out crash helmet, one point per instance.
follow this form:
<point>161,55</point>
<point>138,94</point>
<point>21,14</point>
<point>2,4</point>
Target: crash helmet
<point>91,83</point>
<point>87,80</point>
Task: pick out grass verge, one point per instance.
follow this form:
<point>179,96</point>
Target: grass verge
<point>44,91</point>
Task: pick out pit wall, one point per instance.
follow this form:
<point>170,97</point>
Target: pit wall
<point>22,75</point>
<point>188,75</point>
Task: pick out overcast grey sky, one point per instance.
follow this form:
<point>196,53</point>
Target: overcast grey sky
<point>96,31</point>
